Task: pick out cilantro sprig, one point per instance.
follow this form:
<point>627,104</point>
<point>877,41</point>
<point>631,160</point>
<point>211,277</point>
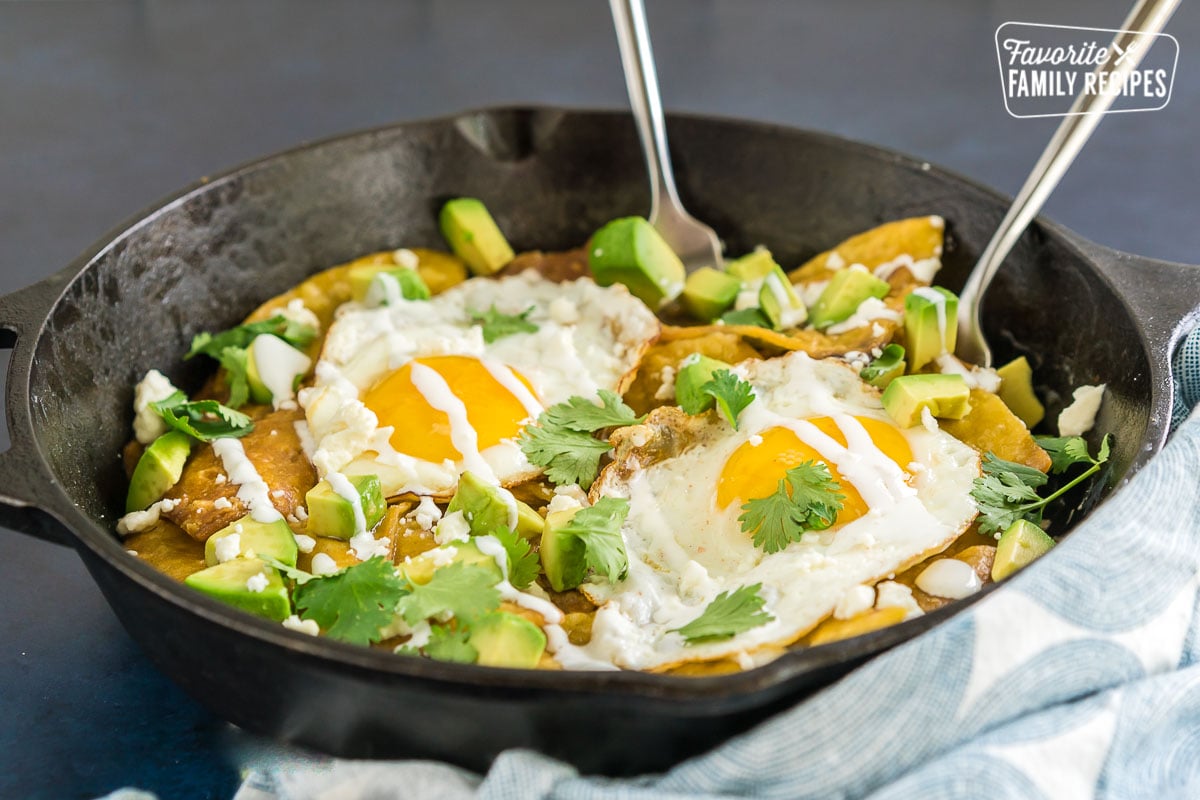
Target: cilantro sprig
<point>204,420</point>
<point>599,528</point>
<point>807,498</point>
<point>353,604</point>
<point>464,591</point>
<point>732,394</point>
<point>1007,491</point>
<point>522,561</point>
<point>562,441</point>
<point>297,334</point>
<point>450,644</point>
<point>497,325</point>
<point>729,614</point>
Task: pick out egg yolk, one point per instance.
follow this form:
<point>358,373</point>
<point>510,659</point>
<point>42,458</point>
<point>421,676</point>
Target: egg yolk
<point>754,471</point>
<point>423,431</point>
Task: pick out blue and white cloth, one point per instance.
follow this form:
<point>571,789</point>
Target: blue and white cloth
<point>1079,678</point>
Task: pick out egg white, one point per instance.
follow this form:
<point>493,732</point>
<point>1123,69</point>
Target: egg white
<point>588,338</point>
<point>684,551</point>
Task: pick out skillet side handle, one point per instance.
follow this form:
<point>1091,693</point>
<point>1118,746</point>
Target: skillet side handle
<point>1164,297</point>
<point>27,490</point>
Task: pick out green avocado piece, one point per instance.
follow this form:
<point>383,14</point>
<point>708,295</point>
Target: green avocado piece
<point>474,236</point>
<point>945,396</point>
<point>888,366</point>
<point>753,266</point>
<point>228,583</point>
<point>631,252</point>
<point>695,371</point>
<point>779,302</point>
<point>930,324</point>
<point>486,508</point>
<point>159,468</point>
<point>273,367</point>
<point>420,569</point>
<point>562,553</point>
<point>360,277</point>
<point>389,285</point>
<point>1021,544</point>
<point>845,292</point>
<point>330,514</point>
<point>272,539</point>
<point>507,640</point>
<point>707,292</point>
<point>1016,390</point>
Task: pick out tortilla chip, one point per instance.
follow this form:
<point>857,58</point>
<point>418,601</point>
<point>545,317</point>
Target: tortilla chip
<point>990,427</point>
<point>917,237</point>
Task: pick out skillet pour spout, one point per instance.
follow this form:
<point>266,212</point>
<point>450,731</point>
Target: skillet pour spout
<point>203,258</point>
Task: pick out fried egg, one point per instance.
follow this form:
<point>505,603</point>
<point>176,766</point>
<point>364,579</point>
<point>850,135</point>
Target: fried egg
<point>413,393</point>
<point>907,495</point>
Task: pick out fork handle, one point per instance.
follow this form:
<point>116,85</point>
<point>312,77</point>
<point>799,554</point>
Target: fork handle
<point>1147,17</point>
<point>629,20</point>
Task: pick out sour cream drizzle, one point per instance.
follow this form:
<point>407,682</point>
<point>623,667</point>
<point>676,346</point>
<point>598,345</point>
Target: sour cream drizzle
<point>252,489</point>
<point>462,434</point>
<point>505,377</point>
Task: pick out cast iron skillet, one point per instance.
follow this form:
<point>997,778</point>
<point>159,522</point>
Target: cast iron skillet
<point>206,257</point>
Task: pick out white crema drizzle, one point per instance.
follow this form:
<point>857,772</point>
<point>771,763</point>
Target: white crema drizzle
<point>252,489</point>
<point>437,393</point>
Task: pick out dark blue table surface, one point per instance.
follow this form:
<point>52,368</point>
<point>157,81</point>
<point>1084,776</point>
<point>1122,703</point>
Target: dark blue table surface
<point>106,107</point>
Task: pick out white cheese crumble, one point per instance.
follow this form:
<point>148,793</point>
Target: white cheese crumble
<point>441,556</point>
<point>138,521</point>
<point>299,313</point>
<point>304,544</point>
<point>975,377</point>
<point>406,258</point>
<point>1079,417</point>
<point>452,528</point>
<point>257,583</point>
<point>294,623</point>
<point>563,502</point>
<point>666,391</point>
<point>564,311</point>
<point>222,503</point>
<point>427,513</point>
<point>928,421</point>
<point>365,546</point>
<point>220,479</point>
<point>148,424</point>
<point>323,564</point>
<point>890,594</point>
<point>227,548</point>
<point>854,601</point>
<point>834,260</point>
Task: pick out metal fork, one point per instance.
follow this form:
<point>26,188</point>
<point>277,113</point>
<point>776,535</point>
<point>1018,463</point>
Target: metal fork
<point>696,244</point>
<point>1147,18</point>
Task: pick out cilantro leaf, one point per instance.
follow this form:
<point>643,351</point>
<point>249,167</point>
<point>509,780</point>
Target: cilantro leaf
<point>497,325</point>
<point>204,420</point>
<point>599,528</point>
<point>462,590</point>
<point>294,573</point>
<point>447,644</point>
<point>233,359</point>
<point>567,456</point>
<point>581,414</point>
<point>354,604</point>
<point>731,393</point>
<point>1007,492</point>
<point>297,334</point>
<point>1067,451</point>
<point>889,361</point>
<point>747,316</point>
<point>522,561</point>
<point>806,498</point>
<point>729,614</point>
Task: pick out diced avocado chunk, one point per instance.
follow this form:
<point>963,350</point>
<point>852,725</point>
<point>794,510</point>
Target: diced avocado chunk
<point>885,368</point>
<point>753,266</point>
<point>238,583</point>
<point>629,251</point>
<point>847,289</point>
<point>159,468</point>
<point>487,507</point>
<point>1016,390</point>
<point>707,292</point>
<point>562,554</point>
<point>945,396</point>
<point>695,371</point>
<point>272,539</point>
<point>389,286</point>
<point>331,514</point>
<point>360,277</point>
<point>930,324</point>
<point>474,236</point>
<point>779,303</point>
<point>746,316</point>
<point>1021,544</point>
<point>273,368</point>
<point>507,640</point>
<point>420,569</point>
